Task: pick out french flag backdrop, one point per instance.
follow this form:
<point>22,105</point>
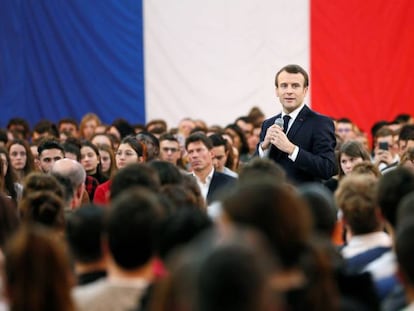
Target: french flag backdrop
<point>210,60</point>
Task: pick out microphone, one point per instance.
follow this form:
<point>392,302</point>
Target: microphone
<point>279,122</point>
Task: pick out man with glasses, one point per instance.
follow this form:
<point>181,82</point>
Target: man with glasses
<point>170,150</point>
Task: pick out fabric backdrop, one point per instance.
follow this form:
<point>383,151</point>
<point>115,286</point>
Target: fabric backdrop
<point>210,60</point>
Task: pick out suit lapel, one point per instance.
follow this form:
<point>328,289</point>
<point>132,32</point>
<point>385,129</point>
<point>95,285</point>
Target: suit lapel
<point>297,124</point>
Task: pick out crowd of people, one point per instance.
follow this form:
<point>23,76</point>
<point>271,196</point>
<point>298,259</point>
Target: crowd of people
<point>250,216</point>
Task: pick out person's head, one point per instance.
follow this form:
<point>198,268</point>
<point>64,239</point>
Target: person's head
<point>220,151</point>
<point>254,139</point>
<point>43,207</point>
<point>90,159</point>
<point>37,181</point>
<point>72,150</point>
<point>37,272</point>
<point>344,128</point>
<point>292,83</point>
<point>170,149</point>
<point>84,229</point>
<point>130,150</point>
<point>69,127</point>
<point>366,168</point>
<point>102,139</point>
<point>256,115</point>
<point>185,126</point>
<point>76,174</point>
<point>132,228</point>
<point>259,168</point>
<point>135,174</point>
<point>9,175</point>
<point>406,138</point>
<point>385,135</point>
<point>275,210</point>
<point>392,187</point>
<point>157,127</point>
<point>349,154</point>
<point>168,173</point>
<point>21,157</point>
<point>246,125</point>
<point>238,138</point>
<point>44,128</point>
<point>50,150</point>
<point>88,124</point>
<point>3,137</point>
<point>121,128</point>
<point>199,151</point>
<point>356,197</point>
<point>107,155</point>
<point>322,207</point>
<point>407,159</point>
<point>151,143</point>
<point>179,228</point>
<point>19,127</point>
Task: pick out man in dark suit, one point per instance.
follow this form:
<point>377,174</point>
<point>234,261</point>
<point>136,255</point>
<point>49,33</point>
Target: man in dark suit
<point>211,182</point>
<point>305,145</point>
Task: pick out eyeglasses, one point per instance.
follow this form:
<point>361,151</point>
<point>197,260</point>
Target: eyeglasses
<point>166,149</point>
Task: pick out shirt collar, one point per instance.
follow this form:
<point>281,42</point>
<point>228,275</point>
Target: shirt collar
<point>294,113</point>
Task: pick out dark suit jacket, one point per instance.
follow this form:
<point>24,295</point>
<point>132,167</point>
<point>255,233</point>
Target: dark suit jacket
<point>314,134</point>
<point>219,183</point>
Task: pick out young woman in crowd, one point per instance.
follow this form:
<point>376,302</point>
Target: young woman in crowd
<point>130,150</point>
<point>107,155</point>
<point>91,161</point>
<point>88,124</point>
<point>21,158</point>
<point>349,154</point>
<point>11,188</point>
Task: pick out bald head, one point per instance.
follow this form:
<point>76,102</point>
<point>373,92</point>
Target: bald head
<point>70,169</point>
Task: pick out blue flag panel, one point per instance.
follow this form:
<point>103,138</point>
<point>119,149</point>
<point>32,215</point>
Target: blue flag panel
<point>62,58</point>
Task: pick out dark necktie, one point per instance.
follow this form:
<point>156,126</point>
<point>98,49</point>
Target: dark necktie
<point>286,120</point>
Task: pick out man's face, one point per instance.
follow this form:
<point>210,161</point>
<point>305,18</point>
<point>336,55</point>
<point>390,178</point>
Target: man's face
<point>291,90</point>
<point>170,151</point>
<point>220,158</point>
<point>69,128</point>
<point>48,157</point>
<point>345,131</point>
<point>199,156</point>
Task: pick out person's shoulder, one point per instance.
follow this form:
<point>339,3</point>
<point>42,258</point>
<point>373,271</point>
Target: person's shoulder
<point>224,177</point>
<point>317,115</point>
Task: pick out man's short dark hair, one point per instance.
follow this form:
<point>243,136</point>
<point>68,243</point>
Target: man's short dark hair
<point>168,136</point>
<point>406,132</point>
<point>136,174</point>
<point>84,228</point>
<point>218,140</point>
<point>68,120</point>
<point>132,227</point>
<point>199,137</point>
<point>392,187</point>
<point>294,69</point>
<point>49,143</point>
